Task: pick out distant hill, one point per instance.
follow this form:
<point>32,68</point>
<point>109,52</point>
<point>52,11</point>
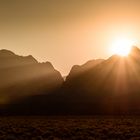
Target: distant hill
<point>111,87</point>
<point>23,76</point>
<point>78,70</point>
<point>99,87</point>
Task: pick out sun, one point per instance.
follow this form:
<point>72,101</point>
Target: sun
<point>122,46</point>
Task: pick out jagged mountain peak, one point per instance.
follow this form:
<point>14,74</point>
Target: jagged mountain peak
<point>135,51</point>
<point>6,53</point>
<point>135,48</point>
<point>30,58</point>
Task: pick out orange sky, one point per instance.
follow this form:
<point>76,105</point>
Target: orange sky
<point>66,32</point>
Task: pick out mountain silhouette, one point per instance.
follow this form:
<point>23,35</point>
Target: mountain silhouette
<point>112,86</point>
<point>23,76</point>
<point>99,87</point>
<point>78,70</point>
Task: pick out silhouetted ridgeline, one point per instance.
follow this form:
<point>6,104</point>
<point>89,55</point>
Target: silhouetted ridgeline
<point>109,86</point>
<point>23,76</point>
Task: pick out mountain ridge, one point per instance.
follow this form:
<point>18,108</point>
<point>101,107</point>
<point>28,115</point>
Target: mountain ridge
<point>98,87</point>
<point>23,75</point>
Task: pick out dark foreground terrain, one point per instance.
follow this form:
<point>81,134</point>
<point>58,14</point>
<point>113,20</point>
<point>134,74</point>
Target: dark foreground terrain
<point>69,128</point>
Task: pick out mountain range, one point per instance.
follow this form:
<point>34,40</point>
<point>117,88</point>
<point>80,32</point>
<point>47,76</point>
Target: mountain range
<point>98,87</point>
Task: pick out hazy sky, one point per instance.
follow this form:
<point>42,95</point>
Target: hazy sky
<point>66,32</point>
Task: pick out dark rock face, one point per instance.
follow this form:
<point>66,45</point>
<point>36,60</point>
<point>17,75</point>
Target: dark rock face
<point>110,87</point>
<point>107,87</point>
<point>23,76</point>
<point>79,70</point>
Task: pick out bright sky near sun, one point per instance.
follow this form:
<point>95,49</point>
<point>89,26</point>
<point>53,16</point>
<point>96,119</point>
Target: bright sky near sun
<point>122,46</point>
<point>68,32</point>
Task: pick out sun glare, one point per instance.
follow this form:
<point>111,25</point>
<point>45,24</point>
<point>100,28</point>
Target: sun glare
<point>122,46</point>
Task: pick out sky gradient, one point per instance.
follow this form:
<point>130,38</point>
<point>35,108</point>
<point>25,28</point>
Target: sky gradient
<point>66,32</point>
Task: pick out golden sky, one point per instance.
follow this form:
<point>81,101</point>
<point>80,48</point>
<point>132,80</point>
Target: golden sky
<point>66,32</point>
